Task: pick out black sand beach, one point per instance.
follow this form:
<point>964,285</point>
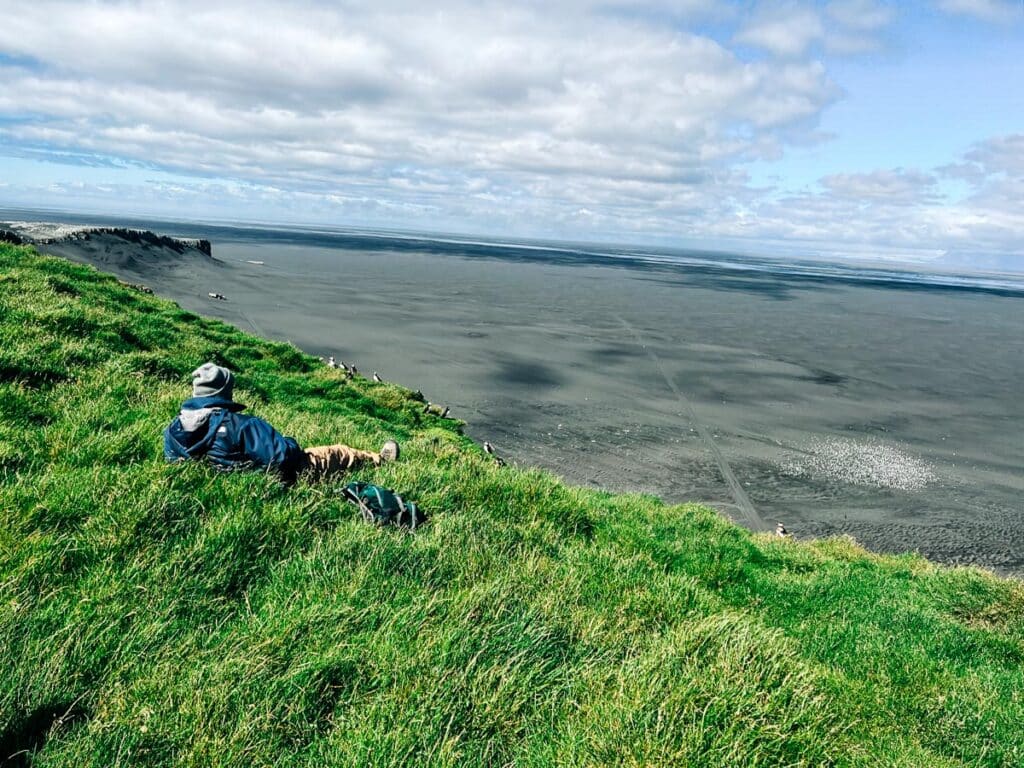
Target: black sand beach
<point>891,412</point>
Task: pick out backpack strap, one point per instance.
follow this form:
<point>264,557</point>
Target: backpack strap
<point>380,499</point>
<point>351,492</point>
<point>404,512</point>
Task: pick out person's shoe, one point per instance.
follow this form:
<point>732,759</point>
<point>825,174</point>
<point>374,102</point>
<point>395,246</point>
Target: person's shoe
<point>389,451</point>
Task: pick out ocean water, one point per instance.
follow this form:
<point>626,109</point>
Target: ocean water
<point>839,399</point>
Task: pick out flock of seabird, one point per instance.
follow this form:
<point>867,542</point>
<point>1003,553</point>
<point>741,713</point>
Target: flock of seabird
<point>428,407</point>
<point>443,411</point>
<point>350,370</point>
<point>489,450</point>
<point>437,410</point>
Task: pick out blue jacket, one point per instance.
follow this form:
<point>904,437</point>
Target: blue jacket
<point>214,427</point>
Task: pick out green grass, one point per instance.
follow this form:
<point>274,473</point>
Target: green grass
<point>173,615</point>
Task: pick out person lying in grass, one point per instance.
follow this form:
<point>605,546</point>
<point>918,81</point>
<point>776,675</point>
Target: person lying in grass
<point>210,425</point>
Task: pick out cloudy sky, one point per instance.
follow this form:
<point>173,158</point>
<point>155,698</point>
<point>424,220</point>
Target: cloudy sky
<point>847,127</point>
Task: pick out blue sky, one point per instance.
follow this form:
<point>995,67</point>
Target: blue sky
<point>846,128</point>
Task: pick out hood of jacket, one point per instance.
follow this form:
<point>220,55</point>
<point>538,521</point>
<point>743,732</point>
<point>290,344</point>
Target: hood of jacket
<point>195,428</point>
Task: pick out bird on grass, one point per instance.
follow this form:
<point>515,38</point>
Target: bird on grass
<point>780,530</point>
<point>377,378</point>
<point>426,407</point>
<point>444,415</point>
<point>331,363</point>
<point>489,450</point>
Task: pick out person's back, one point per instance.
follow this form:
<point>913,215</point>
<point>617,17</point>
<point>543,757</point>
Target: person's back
<point>210,425</point>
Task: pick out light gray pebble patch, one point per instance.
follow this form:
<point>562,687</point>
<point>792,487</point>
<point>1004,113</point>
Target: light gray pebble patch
<point>861,462</point>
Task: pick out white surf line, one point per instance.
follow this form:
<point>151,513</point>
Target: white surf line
<point>754,521</point>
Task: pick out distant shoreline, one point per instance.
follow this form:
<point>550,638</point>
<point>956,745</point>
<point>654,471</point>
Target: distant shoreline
<point>884,273</point>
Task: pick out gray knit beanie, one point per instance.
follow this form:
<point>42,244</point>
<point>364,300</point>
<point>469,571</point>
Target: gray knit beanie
<point>210,380</point>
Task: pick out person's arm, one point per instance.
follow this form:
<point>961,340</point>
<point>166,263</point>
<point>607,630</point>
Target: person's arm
<point>265,446</point>
<point>171,451</point>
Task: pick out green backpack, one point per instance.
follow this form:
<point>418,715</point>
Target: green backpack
<point>381,506</point>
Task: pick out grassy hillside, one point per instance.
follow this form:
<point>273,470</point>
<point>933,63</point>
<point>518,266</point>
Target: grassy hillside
<point>173,615</point>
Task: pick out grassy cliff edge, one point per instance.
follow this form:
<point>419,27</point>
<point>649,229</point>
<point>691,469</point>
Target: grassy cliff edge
<point>173,615</point>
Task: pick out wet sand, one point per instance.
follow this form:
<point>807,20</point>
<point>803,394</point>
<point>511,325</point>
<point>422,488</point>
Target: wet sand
<point>894,414</point>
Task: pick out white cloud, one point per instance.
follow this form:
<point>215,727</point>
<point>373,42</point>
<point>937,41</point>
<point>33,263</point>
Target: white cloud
<point>582,119</point>
<point>790,29</point>
<point>902,210</point>
<point>1000,156</point>
<point>785,30</point>
<point>860,15</point>
<point>892,213</point>
<point>995,11</point>
<point>886,187</point>
<point>993,217</point>
<point>312,95</point>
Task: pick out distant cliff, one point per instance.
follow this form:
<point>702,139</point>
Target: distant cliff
<point>114,246</point>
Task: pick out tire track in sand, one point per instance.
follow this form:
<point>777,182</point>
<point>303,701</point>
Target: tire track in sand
<point>744,506</point>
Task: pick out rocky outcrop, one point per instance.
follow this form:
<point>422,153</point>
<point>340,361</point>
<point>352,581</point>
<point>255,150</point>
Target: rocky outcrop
<point>49,233</point>
<point>107,246</point>
<point>147,238</point>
